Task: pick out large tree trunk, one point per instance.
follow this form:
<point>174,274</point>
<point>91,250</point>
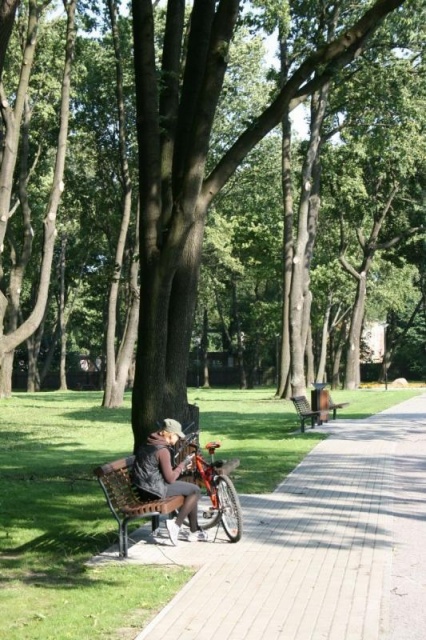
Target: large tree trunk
<point>283,374</point>
<point>33,350</point>
<point>309,208</point>
<point>12,119</point>
<point>310,360</point>
<point>168,307</point>
<point>352,374</point>
<point>320,377</point>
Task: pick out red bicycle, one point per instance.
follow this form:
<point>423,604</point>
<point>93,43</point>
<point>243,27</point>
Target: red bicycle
<point>213,476</point>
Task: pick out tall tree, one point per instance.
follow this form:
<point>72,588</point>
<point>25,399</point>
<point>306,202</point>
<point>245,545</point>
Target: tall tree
<point>12,118</point>
<point>175,120</point>
<point>117,368</point>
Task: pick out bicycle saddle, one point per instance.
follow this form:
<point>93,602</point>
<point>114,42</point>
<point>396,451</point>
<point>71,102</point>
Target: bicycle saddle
<point>211,446</point>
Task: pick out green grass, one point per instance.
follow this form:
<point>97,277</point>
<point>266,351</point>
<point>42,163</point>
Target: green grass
<point>54,516</point>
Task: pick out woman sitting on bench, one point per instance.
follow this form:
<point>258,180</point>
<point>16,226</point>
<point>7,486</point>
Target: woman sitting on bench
<point>154,477</point>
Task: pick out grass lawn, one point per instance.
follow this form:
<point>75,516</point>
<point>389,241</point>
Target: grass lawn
<point>53,514</point>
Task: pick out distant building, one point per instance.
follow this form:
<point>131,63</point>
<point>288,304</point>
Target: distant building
<point>373,337</point>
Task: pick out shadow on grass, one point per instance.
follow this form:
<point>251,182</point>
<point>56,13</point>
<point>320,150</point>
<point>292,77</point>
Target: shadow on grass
<point>54,560</point>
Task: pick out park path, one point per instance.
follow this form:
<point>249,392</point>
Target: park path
<point>337,552</point>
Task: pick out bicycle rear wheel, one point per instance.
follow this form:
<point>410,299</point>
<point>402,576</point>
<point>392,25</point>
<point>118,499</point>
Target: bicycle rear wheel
<point>230,508</point>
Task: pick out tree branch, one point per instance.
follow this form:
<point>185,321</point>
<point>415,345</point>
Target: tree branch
<point>334,56</point>
<point>349,268</point>
<point>169,98</point>
<point>405,234</point>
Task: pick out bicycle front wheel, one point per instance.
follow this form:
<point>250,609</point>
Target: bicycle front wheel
<point>230,508</point>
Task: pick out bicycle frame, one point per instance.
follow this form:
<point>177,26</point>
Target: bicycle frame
<point>205,470</point>
<point>207,473</point>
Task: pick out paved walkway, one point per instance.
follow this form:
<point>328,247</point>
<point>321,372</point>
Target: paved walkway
<point>337,552</point>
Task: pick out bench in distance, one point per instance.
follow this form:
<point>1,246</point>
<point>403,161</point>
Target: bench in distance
<point>333,406</point>
<point>305,412</point>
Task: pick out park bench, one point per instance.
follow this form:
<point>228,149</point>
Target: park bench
<point>333,406</point>
<point>114,478</point>
<point>305,412</point>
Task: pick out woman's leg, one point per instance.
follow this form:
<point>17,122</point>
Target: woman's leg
<point>191,493</point>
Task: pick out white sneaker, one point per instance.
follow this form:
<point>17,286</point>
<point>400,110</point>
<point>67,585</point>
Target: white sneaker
<point>173,531</point>
<point>198,536</point>
<point>184,533</point>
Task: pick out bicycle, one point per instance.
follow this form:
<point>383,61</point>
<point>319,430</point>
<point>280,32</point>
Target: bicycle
<point>213,475</point>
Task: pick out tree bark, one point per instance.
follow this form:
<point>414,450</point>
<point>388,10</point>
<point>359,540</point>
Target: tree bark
<point>352,374</point>
<point>204,350</point>
<point>320,377</point>
<point>337,356</point>
<point>309,353</point>
<point>62,318</point>
<point>7,18</point>
<point>283,389</point>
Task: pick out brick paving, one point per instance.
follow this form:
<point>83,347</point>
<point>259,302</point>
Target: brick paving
<point>337,552</point>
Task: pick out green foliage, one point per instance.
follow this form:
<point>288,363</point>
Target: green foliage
<point>412,351</point>
<point>268,15</point>
<point>243,253</point>
<point>245,92</point>
<point>392,288</point>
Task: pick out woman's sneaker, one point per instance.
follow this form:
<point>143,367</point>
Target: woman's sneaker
<point>173,531</point>
<point>184,533</point>
<point>198,536</point>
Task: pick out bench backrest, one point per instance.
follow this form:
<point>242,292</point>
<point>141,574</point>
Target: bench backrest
<point>301,403</point>
<point>114,478</point>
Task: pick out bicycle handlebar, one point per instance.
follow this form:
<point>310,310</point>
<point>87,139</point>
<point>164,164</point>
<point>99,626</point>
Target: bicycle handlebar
<point>189,438</point>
